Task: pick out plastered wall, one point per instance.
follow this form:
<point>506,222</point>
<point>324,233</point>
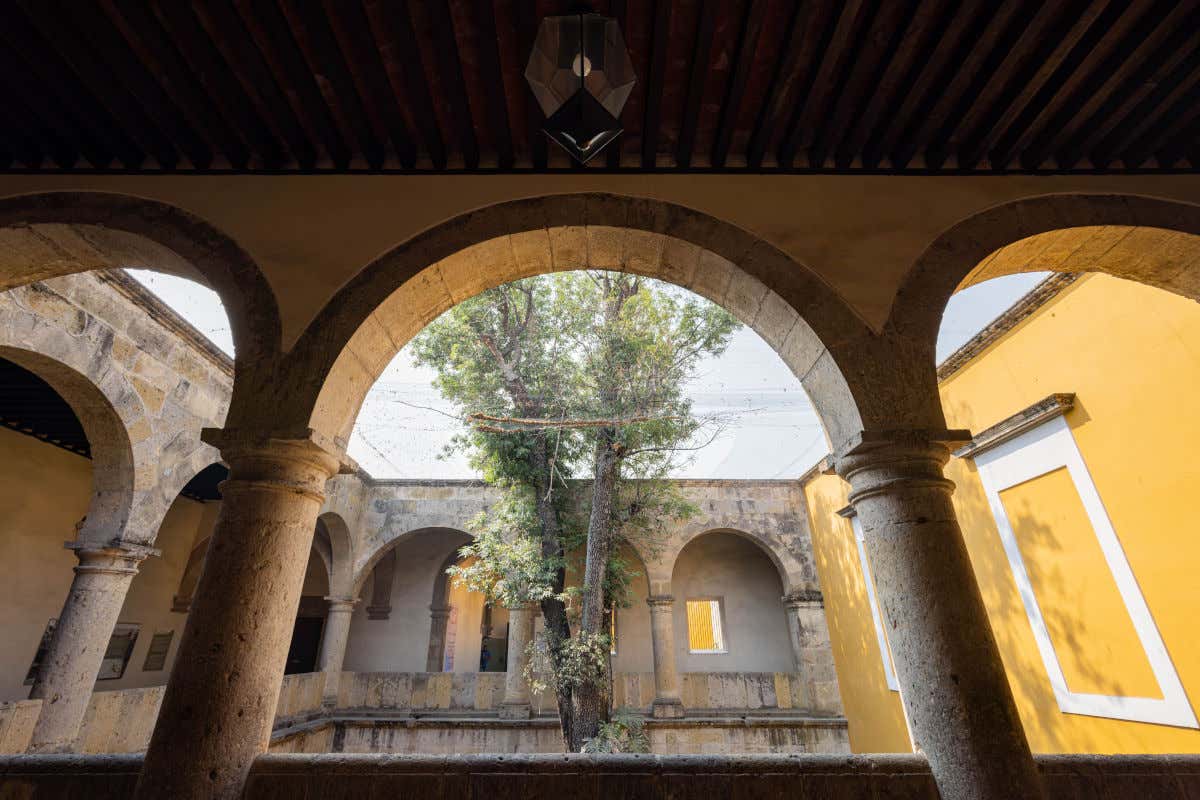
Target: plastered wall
<point>44,491</point>
<point>1130,355</point>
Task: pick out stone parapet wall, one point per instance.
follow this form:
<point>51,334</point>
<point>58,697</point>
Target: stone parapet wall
<point>483,691</point>
<point>287,776</point>
<point>447,734</point>
<point>121,722</point>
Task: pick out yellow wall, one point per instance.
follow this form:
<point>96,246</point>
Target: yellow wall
<point>1131,355</point>
<point>44,491</point>
<point>876,720</point>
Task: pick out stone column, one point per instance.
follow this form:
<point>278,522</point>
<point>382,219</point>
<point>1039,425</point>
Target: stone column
<point>516,703</point>
<point>67,676</point>
<point>809,634</point>
<point>439,618</point>
<point>952,680</point>
<point>333,645</point>
<point>662,637</point>
<point>217,713</point>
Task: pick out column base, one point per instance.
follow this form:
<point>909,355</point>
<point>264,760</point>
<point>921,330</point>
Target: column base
<point>666,709</point>
<point>515,711</point>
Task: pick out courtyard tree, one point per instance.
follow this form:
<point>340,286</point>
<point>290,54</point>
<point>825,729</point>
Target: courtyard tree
<point>579,375</point>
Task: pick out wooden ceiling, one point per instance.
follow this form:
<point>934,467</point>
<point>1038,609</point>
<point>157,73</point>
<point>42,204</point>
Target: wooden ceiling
<point>725,85</point>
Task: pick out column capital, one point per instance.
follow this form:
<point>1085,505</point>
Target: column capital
<point>888,462</point>
<point>294,462</point>
<point>341,604</point>
<point>660,601</point>
<point>379,612</point>
<point>117,558</point>
<point>897,445</point>
<point>299,444</point>
<point>804,598</point>
<point>439,611</point>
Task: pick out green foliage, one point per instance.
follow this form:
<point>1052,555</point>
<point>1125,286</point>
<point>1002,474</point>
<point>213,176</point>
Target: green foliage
<point>624,733</point>
<point>564,376</point>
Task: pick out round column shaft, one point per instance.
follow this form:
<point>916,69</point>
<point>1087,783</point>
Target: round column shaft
<point>952,680</point>
<point>516,703</point>
<point>219,706</point>
<point>68,674</point>
<point>333,645</point>
<point>667,703</point>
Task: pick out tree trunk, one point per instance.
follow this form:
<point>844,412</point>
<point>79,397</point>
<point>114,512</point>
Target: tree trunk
<point>558,628</point>
<point>591,697</point>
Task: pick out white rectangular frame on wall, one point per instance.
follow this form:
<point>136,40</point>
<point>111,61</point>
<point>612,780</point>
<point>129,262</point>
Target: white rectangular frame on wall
<point>885,652</point>
<point>1031,454</point>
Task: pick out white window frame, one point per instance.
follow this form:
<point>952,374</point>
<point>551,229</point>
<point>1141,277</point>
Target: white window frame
<point>1031,454</point>
<point>885,651</point>
<point>717,603</point>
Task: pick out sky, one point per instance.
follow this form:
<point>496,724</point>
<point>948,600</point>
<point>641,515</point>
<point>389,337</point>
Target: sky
<point>770,430</point>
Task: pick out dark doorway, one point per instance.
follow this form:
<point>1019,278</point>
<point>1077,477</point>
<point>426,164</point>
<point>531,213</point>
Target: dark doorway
<point>306,645</point>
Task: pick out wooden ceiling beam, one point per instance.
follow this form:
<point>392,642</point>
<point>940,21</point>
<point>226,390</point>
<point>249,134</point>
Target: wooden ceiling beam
<point>450,68</point>
<point>495,97</point>
<point>1025,70</point>
<point>875,52</point>
<point>38,59</point>
<point>97,79</point>
<point>363,52</point>
<point>924,24</point>
<point>617,11</point>
<point>285,49</point>
<point>137,18</point>
<point>20,143</point>
<point>974,66</point>
<point>1051,110</point>
<point>920,94</point>
<point>327,59</point>
<point>804,19</point>
<point>1185,146</point>
<point>1167,92</point>
<point>1130,95</point>
<point>701,52</point>
<point>1171,108</point>
<point>36,114</point>
<point>652,120</point>
<point>833,58</point>
<point>221,84</point>
<point>131,72</point>
<point>399,23</point>
<point>735,91</point>
<point>69,139</point>
<point>256,73</point>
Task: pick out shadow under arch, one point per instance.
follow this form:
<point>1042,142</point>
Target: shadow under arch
<point>366,563</point>
<point>106,421</point>
<point>1144,239</point>
<point>790,575</point>
<point>371,318</point>
<point>49,234</point>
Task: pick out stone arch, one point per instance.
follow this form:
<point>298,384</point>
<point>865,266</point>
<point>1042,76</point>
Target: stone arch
<point>159,413</point>
<point>333,531</point>
<point>1144,239</point>
<point>359,331</point>
<point>791,572</point>
<point>365,563</point>
<point>107,418</point>
<point>49,234</point>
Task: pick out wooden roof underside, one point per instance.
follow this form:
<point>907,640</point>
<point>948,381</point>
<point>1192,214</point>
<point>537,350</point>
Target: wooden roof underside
<point>760,85</point>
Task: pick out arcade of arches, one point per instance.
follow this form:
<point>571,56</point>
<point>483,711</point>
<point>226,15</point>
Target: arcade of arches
<point>306,565</point>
